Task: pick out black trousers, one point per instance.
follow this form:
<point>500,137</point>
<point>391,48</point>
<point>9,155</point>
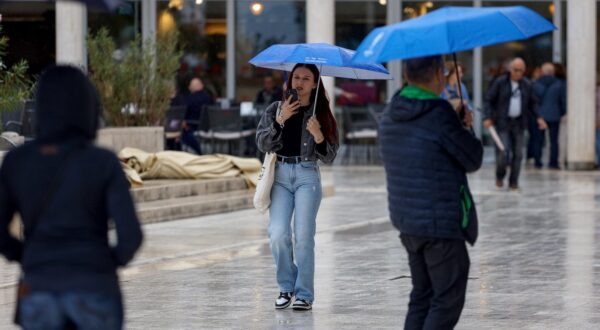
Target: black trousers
<point>439,270</point>
<point>513,137</point>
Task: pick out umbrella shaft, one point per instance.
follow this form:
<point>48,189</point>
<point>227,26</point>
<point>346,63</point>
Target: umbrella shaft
<point>317,95</point>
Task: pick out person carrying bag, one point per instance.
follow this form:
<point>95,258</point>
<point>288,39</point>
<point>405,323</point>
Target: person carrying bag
<point>297,132</point>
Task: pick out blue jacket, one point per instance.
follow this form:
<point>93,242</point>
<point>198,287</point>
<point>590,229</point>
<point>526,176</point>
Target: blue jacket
<point>426,153</point>
<point>552,95</point>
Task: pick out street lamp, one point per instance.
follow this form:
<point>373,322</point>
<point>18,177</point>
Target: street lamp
<point>383,2</point>
<point>256,8</point>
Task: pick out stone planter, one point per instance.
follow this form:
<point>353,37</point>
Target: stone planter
<point>149,139</point>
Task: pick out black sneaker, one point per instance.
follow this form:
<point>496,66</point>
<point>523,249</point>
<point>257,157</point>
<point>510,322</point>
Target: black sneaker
<point>284,300</point>
<point>301,305</point>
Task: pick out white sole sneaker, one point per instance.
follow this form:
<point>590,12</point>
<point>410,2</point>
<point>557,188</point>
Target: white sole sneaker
<point>301,306</point>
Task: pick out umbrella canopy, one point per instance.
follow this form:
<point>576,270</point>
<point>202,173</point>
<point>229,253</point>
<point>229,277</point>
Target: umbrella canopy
<point>107,5</point>
<point>331,60</point>
<point>449,30</point>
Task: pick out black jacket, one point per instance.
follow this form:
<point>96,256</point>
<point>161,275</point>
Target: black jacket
<point>426,154</point>
<point>552,95</point>
<point>497,101</point>
<point>196,102</point>
<point>65,190</point>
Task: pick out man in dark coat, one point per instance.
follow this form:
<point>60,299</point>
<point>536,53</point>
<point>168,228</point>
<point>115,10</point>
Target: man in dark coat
<point>196,101</point>
<point>65,190</point>
<point>552,95</point>
<point>427,151</point>
<point>509,102</point>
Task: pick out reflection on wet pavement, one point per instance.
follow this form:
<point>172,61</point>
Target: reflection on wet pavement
<point>535,266</point>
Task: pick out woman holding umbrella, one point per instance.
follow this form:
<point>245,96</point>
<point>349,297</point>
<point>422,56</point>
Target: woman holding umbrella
<point>301,131</point>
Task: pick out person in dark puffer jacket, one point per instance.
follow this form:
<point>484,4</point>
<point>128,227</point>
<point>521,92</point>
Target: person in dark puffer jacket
<point>426,152</point>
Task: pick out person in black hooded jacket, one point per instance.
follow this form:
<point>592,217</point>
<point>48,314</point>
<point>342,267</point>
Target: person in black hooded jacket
<point>426,152</point>
<point>65,190</point>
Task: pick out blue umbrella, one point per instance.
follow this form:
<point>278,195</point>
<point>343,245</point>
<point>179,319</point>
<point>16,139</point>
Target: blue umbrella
<point>449,30</point>
<point>331,60</point>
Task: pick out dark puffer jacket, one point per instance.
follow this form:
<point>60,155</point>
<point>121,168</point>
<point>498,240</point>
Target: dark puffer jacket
<point>426,153</point>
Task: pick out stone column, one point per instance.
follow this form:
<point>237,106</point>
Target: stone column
<point>71,29</point>
<point>477,84</point>
<point>581,68</point>
<point>557,34</point>
<point>320,27</point>
<point>149,20</point>
<point>394,15</point>
<point>230,64</point>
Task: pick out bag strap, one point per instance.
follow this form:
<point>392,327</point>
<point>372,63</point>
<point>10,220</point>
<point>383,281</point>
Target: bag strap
<point>53,187</point>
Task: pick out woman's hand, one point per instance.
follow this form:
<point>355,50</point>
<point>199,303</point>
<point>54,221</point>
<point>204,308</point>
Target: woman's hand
<point>287,110</point>
<point>314,128</point>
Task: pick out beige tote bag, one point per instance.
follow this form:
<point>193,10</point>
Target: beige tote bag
<point>262,196</point>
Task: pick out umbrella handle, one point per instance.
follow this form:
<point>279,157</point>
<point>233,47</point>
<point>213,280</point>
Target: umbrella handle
<point>459,83</point>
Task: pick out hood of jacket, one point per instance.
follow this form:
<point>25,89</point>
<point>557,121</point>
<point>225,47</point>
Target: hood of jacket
<point>405,109</point>
<point>67,106</point>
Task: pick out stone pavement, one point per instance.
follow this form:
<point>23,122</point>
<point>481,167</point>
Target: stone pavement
<point>535,266</point>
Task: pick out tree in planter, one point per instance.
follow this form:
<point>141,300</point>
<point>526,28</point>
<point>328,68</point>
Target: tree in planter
<point>15,86</point>
<point>136,90</point>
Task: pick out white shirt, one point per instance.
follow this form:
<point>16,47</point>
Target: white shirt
<point>514,110</point>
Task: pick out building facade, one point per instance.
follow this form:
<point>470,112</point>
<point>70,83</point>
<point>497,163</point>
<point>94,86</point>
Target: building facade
<point>220,36</point>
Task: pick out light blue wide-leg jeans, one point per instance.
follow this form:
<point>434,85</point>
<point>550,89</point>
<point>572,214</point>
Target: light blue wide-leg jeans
<point>296,191</point>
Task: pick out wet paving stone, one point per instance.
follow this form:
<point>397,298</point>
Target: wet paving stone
<point>536,264</point>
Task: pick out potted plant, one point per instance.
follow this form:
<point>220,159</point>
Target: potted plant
<point>15,86</point>
<point>135,88</point>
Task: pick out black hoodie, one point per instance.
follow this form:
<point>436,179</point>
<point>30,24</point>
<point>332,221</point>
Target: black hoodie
<point>65,190</point>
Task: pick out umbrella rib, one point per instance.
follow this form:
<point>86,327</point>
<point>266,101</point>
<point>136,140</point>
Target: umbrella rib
<point>516,26</point>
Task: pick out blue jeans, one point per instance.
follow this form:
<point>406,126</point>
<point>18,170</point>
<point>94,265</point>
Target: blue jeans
<point>296,190</point>
<point>46,310</point>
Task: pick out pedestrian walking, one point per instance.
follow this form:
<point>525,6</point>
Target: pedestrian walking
<point>509,102</point>
<point>551,92</point>
<point>426,152</point>
<point>65,190</point>
<point>299,139</point>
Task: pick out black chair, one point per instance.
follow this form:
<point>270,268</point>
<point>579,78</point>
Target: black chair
<point>360,136</point>
<point>172,125</point>
<point>226,128</point>
<point>25,125</point>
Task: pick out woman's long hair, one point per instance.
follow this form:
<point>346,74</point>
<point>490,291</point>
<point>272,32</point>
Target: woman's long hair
<point>323,112</point>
